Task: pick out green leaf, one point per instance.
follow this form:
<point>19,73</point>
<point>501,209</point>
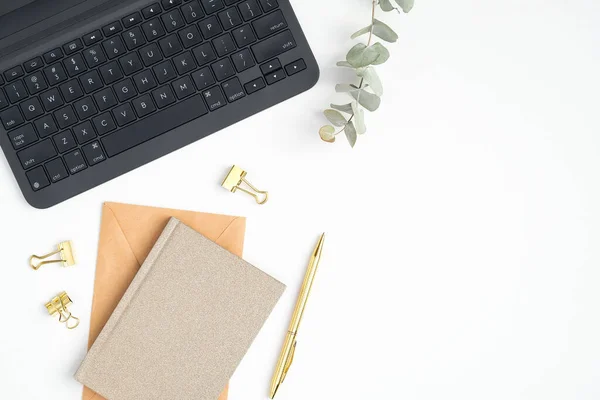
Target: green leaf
<point>364,30</point>
<point>383,53</point>
<point>347,108</point>
<point>368,100</point>
<point>327,133</point>
<point>350,134</point>
<point>386,5</point>
<point>359,119</point>
<point>384,32</point>
<point>344,64</point>
<point>344,87</point>
<point>372,79</point>
<point>360,55</point>
<point>406,5</point>
<point>335,117</point>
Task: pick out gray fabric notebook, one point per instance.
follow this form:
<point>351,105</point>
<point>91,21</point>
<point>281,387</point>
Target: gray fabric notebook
<point>184,324</point>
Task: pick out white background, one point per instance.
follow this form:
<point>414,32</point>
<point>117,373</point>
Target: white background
<point>462,253</point>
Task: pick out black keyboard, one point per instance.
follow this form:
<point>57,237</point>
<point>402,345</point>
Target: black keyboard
<point>134,89</point>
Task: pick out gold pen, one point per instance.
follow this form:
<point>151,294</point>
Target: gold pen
<point>289,346</point>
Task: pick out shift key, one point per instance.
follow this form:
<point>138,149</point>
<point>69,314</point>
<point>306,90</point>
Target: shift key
<point>36,154</point>
<point>274,46</point>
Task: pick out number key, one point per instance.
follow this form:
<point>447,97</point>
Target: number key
<point>192,12</point>
<point>134,38</point>
<point>75,65</point>
<point>16,92</point>
<point>94,56</point>
<point>36,83</point>
<point>173,20</point>
<point>153,29</point>
<point>55,74</point>
<point>114,47</point>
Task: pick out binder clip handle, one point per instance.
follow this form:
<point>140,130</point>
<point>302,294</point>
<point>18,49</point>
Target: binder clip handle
<point>65,249</point>
<point>234,180</point>
<point>257,194</point>
<point>58,305</point>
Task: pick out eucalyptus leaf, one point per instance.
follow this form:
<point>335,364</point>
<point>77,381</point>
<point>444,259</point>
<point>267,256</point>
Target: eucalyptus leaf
<point>344,87</point>
<point>344,64</point>
<point>372,79</point>
<point>383,53</point>
<point>368,100</point>
<point>350,132</point>
<point>360,55</point>
<point>327,133</point>
<point>335,117</point>
<point>384,32</point>
<point>406,5</point>
<point>359,119</point>
<point>358,33</point>
<point>386,5</point>
<point>347,108</point>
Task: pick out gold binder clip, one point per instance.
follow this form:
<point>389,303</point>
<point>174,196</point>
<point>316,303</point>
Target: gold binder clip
<point>58,305</point>
<point>66,256</point>
<point>234,179</point>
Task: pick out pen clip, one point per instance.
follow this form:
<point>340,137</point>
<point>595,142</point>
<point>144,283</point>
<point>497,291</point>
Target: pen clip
<point>288,362</point>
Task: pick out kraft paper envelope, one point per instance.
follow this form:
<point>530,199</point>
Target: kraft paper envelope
<point>127,234</point>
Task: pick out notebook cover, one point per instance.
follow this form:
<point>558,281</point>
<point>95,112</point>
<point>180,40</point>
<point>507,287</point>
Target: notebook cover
<point>183,325</point>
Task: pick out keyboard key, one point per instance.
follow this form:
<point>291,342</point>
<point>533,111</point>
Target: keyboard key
<point>233,90</point>
<point>203,78</point>
<point>223,69</point>
<point>165,72</point>
<point>269,67</point>
<point>45,126</point>
<point>131,63</point>
<point>34,64</point>
<point>3,100</point>
<point>190,36</point>
<point>64,141</point>
<point>84,132</point>
<point>231,2</point>
<point>230,18</point>
<point>124,90</point>
<point>143,105</point>
<point>204,54</point>
<point>35,83</point>
<point>93,153</point>
<point>154,125</point>
<point>170,45</point>
<point>144,81</point>
<point>184,63</point>
<point>11,118</point>
<point>212,6</point>
<point>210,27</point>
<point>274,46</point>
<point>114,47</point>
<point>269,24</point>
<point>53,55</point>
<point>91,81</point>
<point>55,74</point>
<point>75,162</point>
<point>56,169</point>
<point>14,73</point>
<point>275,76</point>
<point>75,65</point>
<point>65,117</point>
<point>268,5</point>
<point>105,99</point>
<point>168,4</point>
<point>92,38</point>
<point>111,72</point>
<point>134,38</point>
<point>192,12</point>
<point>163,96</point>
<point>94,56</point>
<point>249,9</point>
<point>173,20</point>
<point>295,67</point>
<point>123,114</point>
<point>104,123</point>
<point>244,36</point>
<point>224,45</point>
<point>72,47</point>
<point>31,108</point>
<point>112,29</point>
<point>16,92</point>
<point>51,99</point>
<point>214,98</point>
<point>23,136</point>
<point>153,29</point>
<point>131,20</point>
<point>85,108</point>
<point>183,87</point>
<point>71,90</point>
<point>36,154</point>
<point>243,60</point>
<point>151,11</point>
<point>151,55</point>
<point>37,179</point>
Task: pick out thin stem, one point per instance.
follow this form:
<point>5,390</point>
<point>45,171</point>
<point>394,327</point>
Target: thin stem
<point>372,22</point>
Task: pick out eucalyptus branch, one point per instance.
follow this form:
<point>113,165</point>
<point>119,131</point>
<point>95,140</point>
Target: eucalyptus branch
<point>363,58</point>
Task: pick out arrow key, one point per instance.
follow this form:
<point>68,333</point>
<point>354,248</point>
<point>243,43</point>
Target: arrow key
<point>255,85</point>
<point>269,67</point>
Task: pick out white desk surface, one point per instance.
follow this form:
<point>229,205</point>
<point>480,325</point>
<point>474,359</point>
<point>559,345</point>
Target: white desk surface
<point>462,253</point>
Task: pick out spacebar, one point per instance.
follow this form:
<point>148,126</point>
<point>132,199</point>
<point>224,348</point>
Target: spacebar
<point>155,125</point>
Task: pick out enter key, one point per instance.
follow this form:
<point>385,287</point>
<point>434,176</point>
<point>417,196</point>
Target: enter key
<point>269,24</point>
